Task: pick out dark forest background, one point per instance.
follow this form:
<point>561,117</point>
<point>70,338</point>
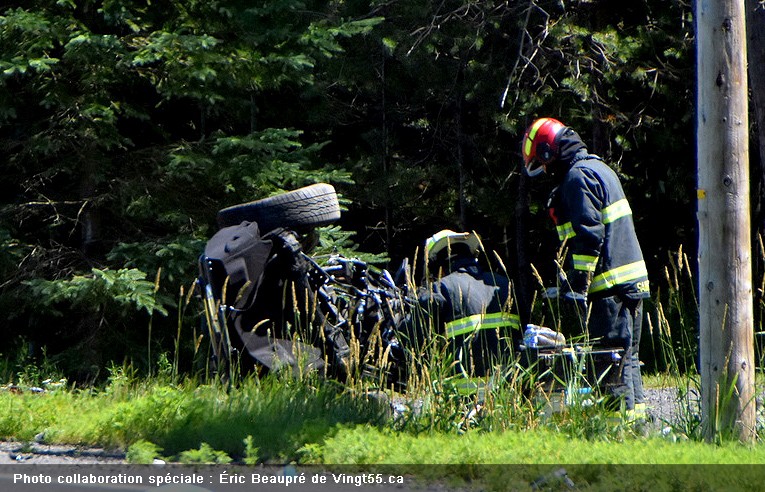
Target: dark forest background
<point>126,124</point>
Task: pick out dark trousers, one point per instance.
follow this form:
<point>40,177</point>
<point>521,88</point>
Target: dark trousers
<point>618,321</point>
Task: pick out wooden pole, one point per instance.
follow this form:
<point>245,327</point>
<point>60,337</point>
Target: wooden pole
<point>725,274</point>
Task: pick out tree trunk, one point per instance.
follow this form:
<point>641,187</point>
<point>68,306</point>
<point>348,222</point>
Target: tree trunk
<point>90,218</point>
<point>460,140</point>
<point>755,23</point>
<point>725,274</point>
<point>523,287</point>
<point>755,43</point>
<point>385,157</point>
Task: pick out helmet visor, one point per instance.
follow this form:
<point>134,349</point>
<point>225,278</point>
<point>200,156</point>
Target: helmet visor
<point>534,168</point>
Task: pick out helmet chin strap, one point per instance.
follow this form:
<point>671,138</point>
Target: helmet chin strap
<point>539,169</point>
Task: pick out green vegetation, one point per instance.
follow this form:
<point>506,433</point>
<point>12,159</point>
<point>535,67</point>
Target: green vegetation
<point>308,420</point>
<point>272,419</point>
<point>311,421</point>
<point>542,446</point>
<point>126,125</point>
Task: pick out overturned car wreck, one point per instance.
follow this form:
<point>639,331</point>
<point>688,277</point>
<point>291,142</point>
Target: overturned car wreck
<point>270,306</point>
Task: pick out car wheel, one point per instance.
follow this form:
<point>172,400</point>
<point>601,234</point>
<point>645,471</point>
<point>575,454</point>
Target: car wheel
<point>312,206</point>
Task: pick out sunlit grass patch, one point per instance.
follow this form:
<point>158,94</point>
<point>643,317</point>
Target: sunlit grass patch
<point>281,416</point>
<point>364,444</point>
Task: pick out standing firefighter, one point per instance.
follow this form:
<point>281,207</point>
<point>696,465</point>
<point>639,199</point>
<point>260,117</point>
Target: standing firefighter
<point>469,306</point>
<point>604,267</point>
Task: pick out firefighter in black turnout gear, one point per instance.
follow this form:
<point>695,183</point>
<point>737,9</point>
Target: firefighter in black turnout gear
<point>604,268</point>
<point>469,306</point>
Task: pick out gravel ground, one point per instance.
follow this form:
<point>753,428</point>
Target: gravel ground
<point>47,454</point>
<point>666,409</point>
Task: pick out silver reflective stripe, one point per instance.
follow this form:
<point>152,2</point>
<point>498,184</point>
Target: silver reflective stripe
<point>476,322</point>
<point>619,275</point>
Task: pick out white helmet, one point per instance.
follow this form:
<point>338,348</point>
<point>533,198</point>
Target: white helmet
<point>446,238</point>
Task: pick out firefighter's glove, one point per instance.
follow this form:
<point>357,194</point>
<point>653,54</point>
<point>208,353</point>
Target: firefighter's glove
<point>576,299</point>
<point>569,296</point>
<point>577,281</point>
<point>551,293</point>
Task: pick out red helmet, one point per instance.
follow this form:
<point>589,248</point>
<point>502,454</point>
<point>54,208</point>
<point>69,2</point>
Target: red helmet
<point>540,144</point>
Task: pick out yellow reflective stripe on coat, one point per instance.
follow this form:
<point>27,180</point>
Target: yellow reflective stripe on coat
<point>586,263</point>
<point>476,322</point>
<point>565,231</point>
<point>617,210</point>
<point>619,275</point>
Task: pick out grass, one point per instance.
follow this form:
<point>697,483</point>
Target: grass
<point>278,416</point>
<point>310,420</point>
<point>322,423</point>
<point>364,444</point>
<point>278,420</point>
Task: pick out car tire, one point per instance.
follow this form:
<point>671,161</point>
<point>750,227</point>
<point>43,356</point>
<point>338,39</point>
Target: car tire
<point>312,206</point>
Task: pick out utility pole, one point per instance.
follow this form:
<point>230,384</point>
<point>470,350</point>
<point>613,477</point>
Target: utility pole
<point>725,265</point>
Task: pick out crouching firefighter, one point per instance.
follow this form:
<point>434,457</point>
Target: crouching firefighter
<point>605,275</point>
<point>469,308</point>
